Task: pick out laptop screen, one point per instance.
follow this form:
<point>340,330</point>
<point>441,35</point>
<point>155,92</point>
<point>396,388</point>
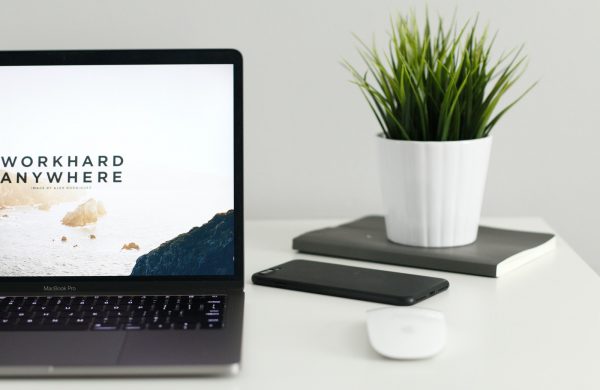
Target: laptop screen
<point>116,170</point>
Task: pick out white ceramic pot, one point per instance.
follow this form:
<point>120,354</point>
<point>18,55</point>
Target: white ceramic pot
<point>433,191</point>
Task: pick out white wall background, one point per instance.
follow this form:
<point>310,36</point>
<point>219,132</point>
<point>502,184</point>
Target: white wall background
<point>309,134</point>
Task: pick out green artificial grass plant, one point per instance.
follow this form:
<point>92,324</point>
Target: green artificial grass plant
<point>437,86</point>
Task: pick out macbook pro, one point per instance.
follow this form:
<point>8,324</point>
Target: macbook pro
<point>121,212</point>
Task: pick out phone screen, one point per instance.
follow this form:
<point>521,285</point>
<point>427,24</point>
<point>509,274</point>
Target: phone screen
<point>351,282</point>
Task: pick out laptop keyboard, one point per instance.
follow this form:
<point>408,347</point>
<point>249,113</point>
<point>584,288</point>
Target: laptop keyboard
<point>106,313</point>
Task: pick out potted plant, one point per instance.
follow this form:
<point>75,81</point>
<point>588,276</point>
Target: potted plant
<point>434,94</point>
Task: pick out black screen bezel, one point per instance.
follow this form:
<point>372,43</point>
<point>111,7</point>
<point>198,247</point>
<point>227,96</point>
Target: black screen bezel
<point>143,284</point>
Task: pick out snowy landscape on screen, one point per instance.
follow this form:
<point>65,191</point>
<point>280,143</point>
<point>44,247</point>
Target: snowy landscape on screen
<point>172,131</point>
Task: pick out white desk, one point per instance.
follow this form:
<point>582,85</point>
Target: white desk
<point>535,328</point>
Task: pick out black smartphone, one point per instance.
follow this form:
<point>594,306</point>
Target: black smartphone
<point>366,284</point>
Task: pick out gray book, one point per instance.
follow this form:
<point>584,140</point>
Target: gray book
<point>496,251</point>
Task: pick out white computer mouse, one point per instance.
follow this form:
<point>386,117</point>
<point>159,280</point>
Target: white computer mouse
<point>406,332</point>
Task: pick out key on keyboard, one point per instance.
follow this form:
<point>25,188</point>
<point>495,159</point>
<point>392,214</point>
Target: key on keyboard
<point>105,313</point>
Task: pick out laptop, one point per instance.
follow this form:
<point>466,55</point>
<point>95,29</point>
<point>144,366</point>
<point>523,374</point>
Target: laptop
<point>121,212</point>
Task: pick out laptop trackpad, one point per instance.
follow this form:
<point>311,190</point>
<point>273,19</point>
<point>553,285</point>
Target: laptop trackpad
<point>179,348</point>
<point>70,348</point>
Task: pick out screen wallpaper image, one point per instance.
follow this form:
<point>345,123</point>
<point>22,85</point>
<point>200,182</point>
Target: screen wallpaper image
<point>116,170</point>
